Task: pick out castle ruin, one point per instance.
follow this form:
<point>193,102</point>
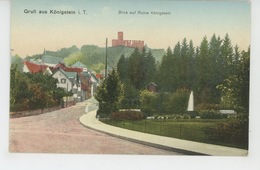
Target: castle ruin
<point>127,43</point>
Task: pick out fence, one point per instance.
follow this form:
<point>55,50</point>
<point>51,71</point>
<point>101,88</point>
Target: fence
<point>182,131</point>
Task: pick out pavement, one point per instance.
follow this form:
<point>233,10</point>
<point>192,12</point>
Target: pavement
<point>178,145</point>
<point>60,131</point>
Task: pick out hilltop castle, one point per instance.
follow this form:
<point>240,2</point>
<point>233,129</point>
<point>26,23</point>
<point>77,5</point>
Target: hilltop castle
<point>127,43</point>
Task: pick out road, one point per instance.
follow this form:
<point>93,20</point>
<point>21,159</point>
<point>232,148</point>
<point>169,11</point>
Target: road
<point>61,132</point>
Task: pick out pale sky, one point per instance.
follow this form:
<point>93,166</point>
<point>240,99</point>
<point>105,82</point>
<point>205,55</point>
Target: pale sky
<point>32,33</point>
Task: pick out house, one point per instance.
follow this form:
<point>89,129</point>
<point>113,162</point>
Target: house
<point>68,69</point>
<point>30,67</point>
<point>50,60</point>
<point>99,77</point>
<point>82,83</point>
<point>93,82</point>
<point>65,80</point>
<point>85,85</point>
<point>78,64</point>
<point>152,87</point>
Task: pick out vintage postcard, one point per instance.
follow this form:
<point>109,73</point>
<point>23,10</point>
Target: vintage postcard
<point>130,77</point>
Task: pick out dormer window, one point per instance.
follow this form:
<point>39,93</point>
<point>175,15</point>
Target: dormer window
<point>63,81</point>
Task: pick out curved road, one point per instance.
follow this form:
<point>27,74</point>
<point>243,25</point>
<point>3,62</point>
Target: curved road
<point>61,132</point>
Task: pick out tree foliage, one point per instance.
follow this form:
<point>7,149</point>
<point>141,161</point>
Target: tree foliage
<point>109,94</point>
<point>33,91</point>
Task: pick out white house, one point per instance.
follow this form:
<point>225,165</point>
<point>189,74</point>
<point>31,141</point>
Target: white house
<point>63,80</point>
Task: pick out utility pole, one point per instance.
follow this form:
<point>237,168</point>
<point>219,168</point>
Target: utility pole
<point>106,61</point>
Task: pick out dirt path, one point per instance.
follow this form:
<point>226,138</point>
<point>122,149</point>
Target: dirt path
<point>61,132</point>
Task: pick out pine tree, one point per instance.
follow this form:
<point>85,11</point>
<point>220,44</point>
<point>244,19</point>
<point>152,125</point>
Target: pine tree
<point>166,71</point>
<point>122,68</point>
<point>109,94</point>
<point>150,67</point>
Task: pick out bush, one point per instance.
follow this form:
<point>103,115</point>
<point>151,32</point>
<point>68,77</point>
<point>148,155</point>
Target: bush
<point>127,115</point>
<point>105,110</point>
<point>210,114</point>
<point>148,102</point>
<point>232,131</point>
<point>186,116</point>
<point>207,106</point>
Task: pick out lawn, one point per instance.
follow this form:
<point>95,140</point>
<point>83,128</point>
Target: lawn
<point>188,129</point>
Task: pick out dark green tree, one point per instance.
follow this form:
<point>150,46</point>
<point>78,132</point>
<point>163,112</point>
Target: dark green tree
<point>235,89</point>
<point>184,65</point>
<point>122,68</point>
<point>109,94</point>
<point>165,76</point>
<point>150,67</point>
<point>136,69</point>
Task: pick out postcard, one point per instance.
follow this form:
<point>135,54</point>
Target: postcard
<point>130,77</point>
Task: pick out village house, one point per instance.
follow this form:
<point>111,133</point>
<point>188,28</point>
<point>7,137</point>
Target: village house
<point>152,87</point>
<point>33,68</point>
<point>81,83</point>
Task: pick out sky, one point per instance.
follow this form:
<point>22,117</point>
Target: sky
<point>31,33</point>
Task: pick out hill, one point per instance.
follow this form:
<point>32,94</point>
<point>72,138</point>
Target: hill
<point>93,56</point>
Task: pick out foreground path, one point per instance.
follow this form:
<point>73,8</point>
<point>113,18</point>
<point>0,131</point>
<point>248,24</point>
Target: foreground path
<point>61,132</point>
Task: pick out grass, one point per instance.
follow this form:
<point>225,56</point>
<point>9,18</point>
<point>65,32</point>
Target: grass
<point>188,129</point>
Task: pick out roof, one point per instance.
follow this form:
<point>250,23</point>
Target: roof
<point>70,74</point>
<point>51,59</point>
<point>99,76</point>
<point>78,64</point>
<point>152,83</point>
<point>68,69</point>
<point>35,68</point>
<point>63,72</point>
<point>60,65</point>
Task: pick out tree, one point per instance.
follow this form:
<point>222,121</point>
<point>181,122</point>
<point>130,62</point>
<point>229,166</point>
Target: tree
<point>109,94</point>
<point>122,68</point>
<point>136,69</point>
<point>150,67</point>
<point>203,75</point>
<point>235,89</point>
<point>16,60</point>
<point>148,102</point>
<point>184,64</point>
<point>166,72</point>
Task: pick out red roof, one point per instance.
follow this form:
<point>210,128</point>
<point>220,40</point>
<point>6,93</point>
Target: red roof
<point>35,68</point>
<point>68,69</point>
<point>60,65</point>
<point>99,76</point>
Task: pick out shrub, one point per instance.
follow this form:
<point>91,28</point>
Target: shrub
<point>232,131</point>
<point>186,116</point>
<point>207,106</point>
<point>210,114</point>
<point>148,102</point>
<point>127,115</point>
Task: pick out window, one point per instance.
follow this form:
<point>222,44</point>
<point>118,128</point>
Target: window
<point>63,81</point>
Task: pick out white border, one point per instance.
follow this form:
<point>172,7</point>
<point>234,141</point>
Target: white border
<point>10,161</point>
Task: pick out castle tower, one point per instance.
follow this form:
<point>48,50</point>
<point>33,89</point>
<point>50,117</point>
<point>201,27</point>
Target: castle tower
<point>120,36</point>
